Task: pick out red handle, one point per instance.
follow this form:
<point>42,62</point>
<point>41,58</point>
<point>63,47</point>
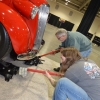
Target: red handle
<point>43,72</point>
<point>52,52</point>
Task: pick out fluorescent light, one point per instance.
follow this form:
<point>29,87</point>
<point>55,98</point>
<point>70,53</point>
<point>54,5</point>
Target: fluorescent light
<point>67,0</point>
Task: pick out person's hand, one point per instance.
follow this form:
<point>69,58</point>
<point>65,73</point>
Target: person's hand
<point>47,75</point>
<point>53,82</point>
<point>62,74</point>
<point>63,70</point>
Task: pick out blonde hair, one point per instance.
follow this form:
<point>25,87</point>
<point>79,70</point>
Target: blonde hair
<point>72,55</point>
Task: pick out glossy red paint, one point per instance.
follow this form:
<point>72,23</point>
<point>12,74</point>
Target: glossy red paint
<point>39,2</point>
<point>16,28</point>
<point>32,25</point>
<point>24,7</point>
<point>6,1</point>
<point>15,15</point>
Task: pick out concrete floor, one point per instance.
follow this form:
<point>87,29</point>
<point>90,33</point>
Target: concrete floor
<point>52,43</point>
<point>36,86</point>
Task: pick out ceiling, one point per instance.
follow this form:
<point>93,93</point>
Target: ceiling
<point>79,5</point>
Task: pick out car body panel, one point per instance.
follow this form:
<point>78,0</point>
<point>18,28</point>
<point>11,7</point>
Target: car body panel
<point>15,27</point>
<point>24,7</point>
<point>15,15</point>
<point>39,2</point>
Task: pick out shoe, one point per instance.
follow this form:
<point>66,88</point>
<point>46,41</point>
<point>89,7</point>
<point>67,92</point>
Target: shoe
<point>57,69</point>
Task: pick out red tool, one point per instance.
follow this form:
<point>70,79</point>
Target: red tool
<point>43,72</point>
<point>36,60</point>
<point>51,52</point>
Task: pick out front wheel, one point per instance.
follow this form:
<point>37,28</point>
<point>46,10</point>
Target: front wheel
<point>5,45</point>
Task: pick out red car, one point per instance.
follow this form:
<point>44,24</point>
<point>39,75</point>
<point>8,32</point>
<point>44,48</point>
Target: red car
<point>22,25</point>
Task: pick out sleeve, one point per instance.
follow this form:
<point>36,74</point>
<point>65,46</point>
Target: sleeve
<point>60,46</point>
<point>71,76</point>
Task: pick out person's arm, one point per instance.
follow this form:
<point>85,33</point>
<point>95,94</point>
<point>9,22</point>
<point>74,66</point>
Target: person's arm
<point>52,80</point>
<point>59,48</point>
<point>62,45</point>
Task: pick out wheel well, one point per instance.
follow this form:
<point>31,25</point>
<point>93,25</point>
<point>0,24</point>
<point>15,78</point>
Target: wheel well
<point>5,43</point>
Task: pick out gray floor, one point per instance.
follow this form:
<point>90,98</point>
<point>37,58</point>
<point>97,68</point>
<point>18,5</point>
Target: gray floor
<point>51,43</point>
<point>34,85</point>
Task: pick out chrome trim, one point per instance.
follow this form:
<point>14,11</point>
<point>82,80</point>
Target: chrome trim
<point>34,12</point>
<point>43,16</point>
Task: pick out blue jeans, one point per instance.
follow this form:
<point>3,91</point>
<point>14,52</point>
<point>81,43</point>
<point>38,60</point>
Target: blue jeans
<point>86,53</point>
<point>65,88</point>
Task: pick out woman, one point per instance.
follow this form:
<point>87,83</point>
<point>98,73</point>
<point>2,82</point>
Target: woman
<point>81,79</point>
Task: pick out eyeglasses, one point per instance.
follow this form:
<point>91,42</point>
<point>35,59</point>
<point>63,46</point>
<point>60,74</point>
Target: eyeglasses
<point>60,37</point>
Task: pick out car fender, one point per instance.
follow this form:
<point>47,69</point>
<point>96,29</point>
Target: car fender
<point>39,2</point>
<point>16,28</point>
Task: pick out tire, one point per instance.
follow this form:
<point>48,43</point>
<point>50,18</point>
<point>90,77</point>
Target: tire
<point>5,44</point>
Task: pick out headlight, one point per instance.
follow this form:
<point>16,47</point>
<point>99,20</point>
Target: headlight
<point>34,12</point>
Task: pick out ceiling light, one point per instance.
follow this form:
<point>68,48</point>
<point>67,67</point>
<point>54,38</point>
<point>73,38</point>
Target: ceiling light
<point>67,0</point>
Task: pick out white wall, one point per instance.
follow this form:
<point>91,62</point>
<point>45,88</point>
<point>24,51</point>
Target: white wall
<point>63,12</point>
